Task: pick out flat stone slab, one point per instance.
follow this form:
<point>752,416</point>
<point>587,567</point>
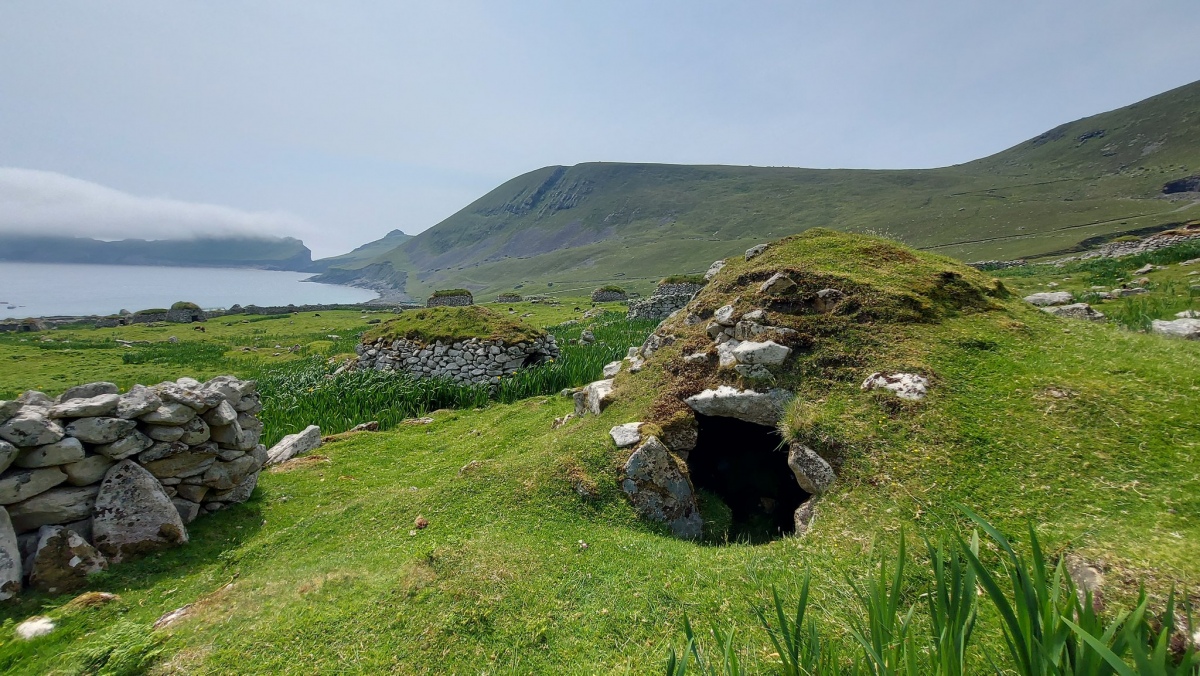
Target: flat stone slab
<point>295,444</point>
<point>1180,328</point>
<point>1075,311</point>
<point>767,353</point>
<point>760,408</point>
<point>1047,298</point>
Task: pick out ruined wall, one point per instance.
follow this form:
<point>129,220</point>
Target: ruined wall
<point>473,361</point>
<point>96,477</point>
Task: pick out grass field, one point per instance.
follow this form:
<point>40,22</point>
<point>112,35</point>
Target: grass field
<point>534,562</point>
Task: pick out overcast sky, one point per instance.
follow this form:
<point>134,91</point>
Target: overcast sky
<point>339,121</point>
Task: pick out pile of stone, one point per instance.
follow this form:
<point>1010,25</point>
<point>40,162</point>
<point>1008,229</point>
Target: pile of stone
<point>457,300</point>
<point>603,295</point>
<point>473,361</point>
<point>1062,304</point>
<point>97,477</point>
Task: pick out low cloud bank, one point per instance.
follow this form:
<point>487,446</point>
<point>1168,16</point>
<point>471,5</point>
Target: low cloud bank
<point>47,203</point>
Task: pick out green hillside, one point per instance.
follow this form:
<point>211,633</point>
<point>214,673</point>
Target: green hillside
<point>565,229</point>
<point>365,253</point>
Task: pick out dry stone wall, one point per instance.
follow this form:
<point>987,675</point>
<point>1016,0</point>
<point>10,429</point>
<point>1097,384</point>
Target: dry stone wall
<point>449,301</point>
<point>473,361</point>
<point>97,477</point>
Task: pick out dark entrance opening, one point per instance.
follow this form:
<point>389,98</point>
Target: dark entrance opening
<point>745,465</point>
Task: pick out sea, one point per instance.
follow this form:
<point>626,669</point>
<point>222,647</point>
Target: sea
<point>55,289</point>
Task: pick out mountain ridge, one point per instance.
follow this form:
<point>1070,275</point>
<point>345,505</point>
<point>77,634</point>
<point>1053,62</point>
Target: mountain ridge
<point>266,253</point>
<point>563,227</point>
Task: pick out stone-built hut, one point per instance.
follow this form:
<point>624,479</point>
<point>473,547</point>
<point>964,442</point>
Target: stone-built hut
<point>469,345</point>
<point>450,298</point>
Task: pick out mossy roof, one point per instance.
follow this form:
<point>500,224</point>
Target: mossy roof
<point>450,324</point>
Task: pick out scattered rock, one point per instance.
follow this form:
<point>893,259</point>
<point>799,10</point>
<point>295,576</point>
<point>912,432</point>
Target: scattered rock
<point>594,398</point>
<point>778,284</point>
<point>755,251</point>
<point>1048,298</point>
<point>1181,328</point>
<point>1188,314</point>
<point>713,269</point>
<point>295,444</point>
<point>1075,311</point>
<point>372,426</point>
<point>626,435</point>
<point>908,386</point>
<point>1123,293</point>
<point>34,627</point>
<point>420,523</point>
<point>725,315</point>
<point>827,300</point>
<point>612,368</point>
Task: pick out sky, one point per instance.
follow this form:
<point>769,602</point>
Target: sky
<point>337,122</point>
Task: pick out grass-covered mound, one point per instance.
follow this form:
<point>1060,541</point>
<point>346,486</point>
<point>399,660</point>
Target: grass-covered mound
<point>447,293</point>
<point>449,324</point>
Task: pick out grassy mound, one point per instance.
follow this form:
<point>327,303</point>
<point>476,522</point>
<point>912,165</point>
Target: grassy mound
<point>450,324</point>
<point>447,293</point>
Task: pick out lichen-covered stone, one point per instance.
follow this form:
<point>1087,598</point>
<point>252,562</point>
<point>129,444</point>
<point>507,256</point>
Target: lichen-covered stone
<point>133,515</point>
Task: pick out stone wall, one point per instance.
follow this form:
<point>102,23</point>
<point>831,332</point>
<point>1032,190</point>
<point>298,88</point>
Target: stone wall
<point>508,298</point>
<point>997,265</point>
<point>449,301</point>
<point>658,307</point>
<point>677,289</point>
<point>473,361</point>
<point>96,477</point>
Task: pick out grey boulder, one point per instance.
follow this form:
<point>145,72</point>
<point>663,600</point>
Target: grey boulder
<point>57,505</point>
<point>295,444</point>
<point>22,485</point>
<point>88,471</point>
<point>1186,328</point>
<point>137,402</point>
<point>100,430</point>
<point>88,391</point>
<point>61,452</point>
<point>30,428</point>
<point>8,453</point>
<point>133,515</point>
<point>10,559</point>
<point>1048,298</point>
<point>812,472</point>
<point>101,404</point>
<point>1075,311</point>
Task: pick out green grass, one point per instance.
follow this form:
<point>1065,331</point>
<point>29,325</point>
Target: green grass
<point>1086,431</point>
<point>683,279</point>
<point>445,293</point>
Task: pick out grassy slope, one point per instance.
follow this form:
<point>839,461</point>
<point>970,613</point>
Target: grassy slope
<point>577,227</point>
<point>365,253</point>
<point>327,573</point>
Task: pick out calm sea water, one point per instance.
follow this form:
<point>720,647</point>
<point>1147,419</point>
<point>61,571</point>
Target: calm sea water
<point>46,289</point>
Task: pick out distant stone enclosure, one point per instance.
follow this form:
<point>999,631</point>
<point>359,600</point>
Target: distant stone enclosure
<point>608,295</point>
<point>667,298</point>
<point>508,298</point>
<point>473,361</point>
<point>96,477</point>
<point>457,300</point>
